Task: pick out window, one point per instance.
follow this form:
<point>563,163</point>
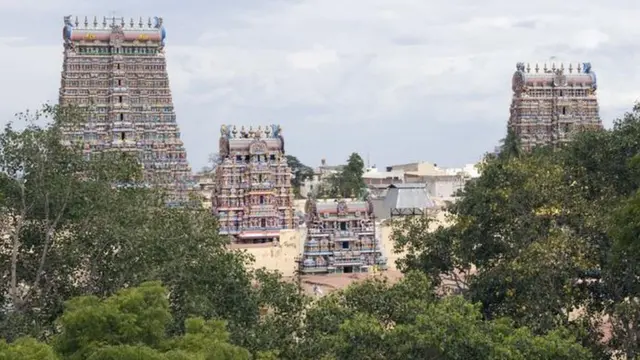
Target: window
<point>119,82</point>
<point>564,110</point>
<point>121,117</point>
<point>119,99</point>
<point>118,66</point>
<point>122,136</point>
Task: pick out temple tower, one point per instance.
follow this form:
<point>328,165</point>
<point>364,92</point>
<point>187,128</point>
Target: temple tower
<point>551,102</point>
<point>341,238</point>
<point>252,195</point>
<point>116,70</point>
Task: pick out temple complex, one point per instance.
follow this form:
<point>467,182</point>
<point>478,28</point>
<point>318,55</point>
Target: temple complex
<point>252,196</point>
<point>341,238</point>
<point>116,71</point>
<point>551,102</point>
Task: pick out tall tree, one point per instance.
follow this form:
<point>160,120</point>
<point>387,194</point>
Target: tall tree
<point>377,320</point>
<point>301,173</point>
<point>562,220</point>
<point>73,230</point>
<point>348,182</point>
<point>511,145</point>
<point>132,325</point>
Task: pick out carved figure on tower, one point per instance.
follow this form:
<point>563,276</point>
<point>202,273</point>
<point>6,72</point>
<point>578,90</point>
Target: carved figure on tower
<point>224,141</point>
<point>66,31</point>
<point>277,133</point>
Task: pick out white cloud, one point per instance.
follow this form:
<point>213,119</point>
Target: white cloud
<point>313,59</point>
<point>357,64</point>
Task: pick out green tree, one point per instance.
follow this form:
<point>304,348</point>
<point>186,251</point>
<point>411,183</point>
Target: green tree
<point>72,232</point>
<point>26,349</point>
<point>560,219</point>
<point>348,182</point>
<point>511,145</point>
<point>301,173</point>
<point>378,320</point>
<point>131,324</point>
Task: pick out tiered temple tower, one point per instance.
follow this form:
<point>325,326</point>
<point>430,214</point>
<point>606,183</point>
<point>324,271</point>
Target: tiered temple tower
<point>341,238</point>
<point>117,72</point>
<point>253,198</point>
<point>551,102</point>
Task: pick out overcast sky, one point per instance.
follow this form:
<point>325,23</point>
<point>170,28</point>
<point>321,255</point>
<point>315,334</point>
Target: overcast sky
<point>397,80</point>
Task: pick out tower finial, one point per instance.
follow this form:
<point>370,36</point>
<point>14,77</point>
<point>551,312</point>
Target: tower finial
<point>570,68</point>
<point>95,22</point>
<point>149,22</point>
<point>528,68</point>
<point>131,23</point>
<point>86,22</point>
<point>140,24</point>
<point>537,68</point>
<point>104,21</point>
<point>77,22</point>
<point>579,68</point>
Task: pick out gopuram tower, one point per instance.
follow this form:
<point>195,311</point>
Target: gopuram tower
<point>116,70</point>
<point>252,195</point>
<point>552,102</point>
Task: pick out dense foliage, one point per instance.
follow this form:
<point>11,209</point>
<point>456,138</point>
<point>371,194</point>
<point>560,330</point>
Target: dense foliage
<point>371,320</point>
<point>346,183</point>
<point>301,173</point>
<point>549,239</point>
<point>69,231</point>
<point>95,271</point>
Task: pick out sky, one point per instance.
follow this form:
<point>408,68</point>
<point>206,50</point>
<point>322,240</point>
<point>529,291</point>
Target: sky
<point>395,80</point>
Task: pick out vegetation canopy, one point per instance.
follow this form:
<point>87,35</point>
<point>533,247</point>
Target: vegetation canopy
<point>542,249</point>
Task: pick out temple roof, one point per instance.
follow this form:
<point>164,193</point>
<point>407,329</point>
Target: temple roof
<point>87,29</point>
<point>554,75</point>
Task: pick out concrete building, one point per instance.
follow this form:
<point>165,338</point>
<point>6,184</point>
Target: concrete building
<point>320,176</point>
<point>441,183</point>
<point>252,196</point>
<point>374,177</point>
<point>115,71</point>
<point>552,102</point>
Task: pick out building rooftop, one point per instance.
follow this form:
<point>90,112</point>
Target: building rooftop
<point>405,199</point>
<point>374,173</point>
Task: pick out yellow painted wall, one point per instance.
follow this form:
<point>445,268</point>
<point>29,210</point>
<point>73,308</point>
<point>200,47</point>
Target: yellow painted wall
<point>280,256</point>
